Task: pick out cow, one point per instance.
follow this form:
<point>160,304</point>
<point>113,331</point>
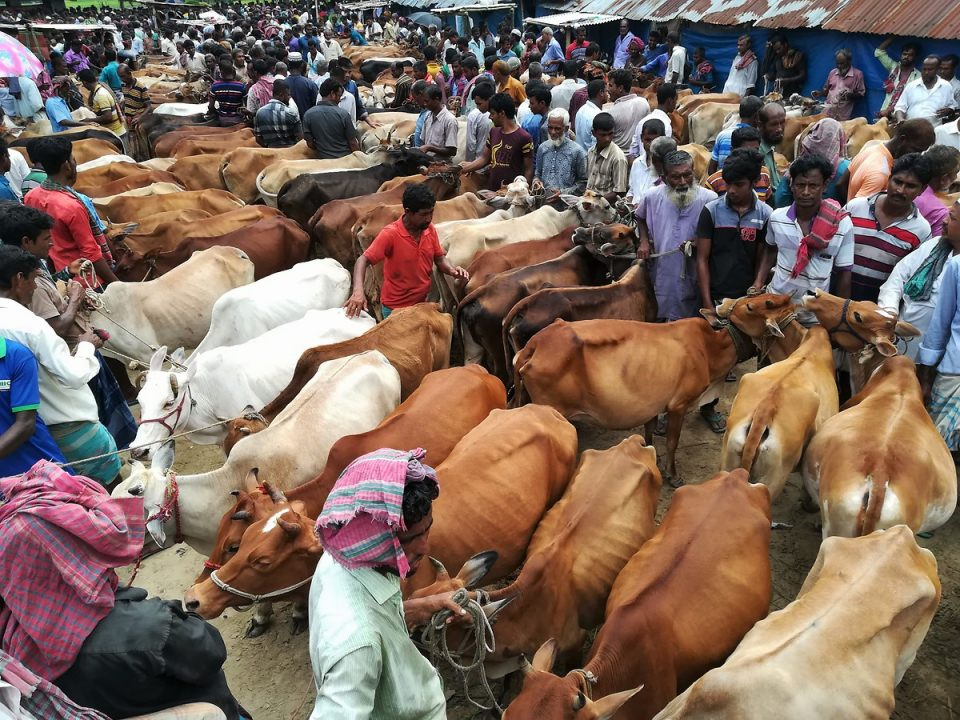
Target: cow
<point>161,188</point>
<point>498,260</point>
<point>621,373</point>
<point>279,174</point>
<point>130,209</point>
<point>90,149</point>
<point>118,178</point>
<point>218,385</point>
<point>165,143</point>
<point>791,131</point>
<point>867,133</point>
<point>240,168</point>
<point>881,462</point>
<point>778,409</point>
<point>213,145</point>
<point>678,608</point>
<point>705,122</point>
<point>347,396</point>
<point>249,311</point>
<point>839,649</point>
<point>201,172</point>
<point>174,310</point>
<point>75,136</point>
<point>469,394</point>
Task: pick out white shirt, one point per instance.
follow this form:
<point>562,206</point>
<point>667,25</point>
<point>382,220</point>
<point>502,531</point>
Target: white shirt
<point>584,124</point>
<point>677,63</point>
<point>955,84</point>
<point>479,125</point>
<point>739,81</point>
<point>197,63</point>
<point>331,49</point>
<point>917,101</point>
<point>642,179</point>
<point>18,171</point>
<point>64,394</point>
<point>374,30</point>
<point>949,134</point>
<point>523,112</point>
<point>168,47</point>
<point>349,103</point>
<point>560,94</point>
<point>636,149</point>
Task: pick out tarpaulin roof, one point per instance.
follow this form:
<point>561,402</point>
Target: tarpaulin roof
<point>915,18</point>
<point>571,19</point>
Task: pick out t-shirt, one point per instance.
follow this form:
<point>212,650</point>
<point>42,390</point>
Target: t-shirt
<point>20,392</point>
<point>327,128</point>
<point>303,91</point>
<point>229,96</point>
<point>110,76</point>
<point>57,110</point>
<point>869,171</point>
<point>407,263</point>
<point>508,152</point>
<point>104,100</point>
<point>734,239</point>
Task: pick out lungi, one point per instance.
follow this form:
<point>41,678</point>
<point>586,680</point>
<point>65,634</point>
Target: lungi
<point>79,440</point>
<point>945,409</point>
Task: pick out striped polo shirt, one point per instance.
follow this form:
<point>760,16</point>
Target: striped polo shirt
<point>876,249</point>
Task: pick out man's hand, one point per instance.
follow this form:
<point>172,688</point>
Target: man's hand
<point>754,289</point>
<point>420,610</point>
<point>75,292</point>
<point>355,303</point>
<point>91,337</point>
<point>460,274</point>
<point>76,266</point>
<point>537,184</point>
<point>372,123</point>
<point>643,252</point>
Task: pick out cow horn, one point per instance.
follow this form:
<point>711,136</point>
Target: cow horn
<point>241,515</point>
<point>291,529</point>
<point>274,493</point>
<point>579,702</point>
<point>174,385</point>
<point>525,667</point>
<point>140,380</point>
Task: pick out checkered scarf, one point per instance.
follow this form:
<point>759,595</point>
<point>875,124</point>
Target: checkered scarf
<point>363,514</point>
<point>822,230</point>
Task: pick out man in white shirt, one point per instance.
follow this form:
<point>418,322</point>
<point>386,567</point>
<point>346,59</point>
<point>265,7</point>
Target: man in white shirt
<point>596,99</point>
<point>948,71</point>
<point>930,97</point>
<point>167,46</point>
<point>479,123</point>
<point>947,134</point>
<point>330,47</point>
<point>628,109</point>
<point>562,93</point>
<point>743,72</point>
<point>666,103</point>
<point>676,65</point>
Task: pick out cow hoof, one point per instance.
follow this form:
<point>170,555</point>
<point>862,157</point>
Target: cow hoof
<point>808,505</point>
<point>298,625</point>
<point>673,481</point>
<point>255,629</point>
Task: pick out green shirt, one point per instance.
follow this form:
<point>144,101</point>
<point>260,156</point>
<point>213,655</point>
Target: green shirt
<point>770,161</point>
<point>364,663</point>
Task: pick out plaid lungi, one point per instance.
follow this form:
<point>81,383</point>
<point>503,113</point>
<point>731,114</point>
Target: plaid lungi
<point>945,409</point>
<point>79,440</point>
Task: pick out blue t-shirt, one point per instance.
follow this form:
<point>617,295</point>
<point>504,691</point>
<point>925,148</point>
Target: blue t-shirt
<point>533,124</point>
<point>57,110</point>
<point>6,192</point>
<point>110,76</point>
<point>20,392</point>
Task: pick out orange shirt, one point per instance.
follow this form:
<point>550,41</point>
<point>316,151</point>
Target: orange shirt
<point>869,172</point>
<point>407,263</point>
<point>514,88</point>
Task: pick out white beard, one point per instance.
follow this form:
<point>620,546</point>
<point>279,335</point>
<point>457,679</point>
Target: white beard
<point>681,199</point>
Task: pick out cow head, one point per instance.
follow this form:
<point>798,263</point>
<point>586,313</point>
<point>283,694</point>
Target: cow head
<point>165,405</point>
<point>856,325</point>
<point>469,577</point>
<point>249,423</point>
<point>515,194</point>
<point>546,696</point>
<point>151,483</point>
<point>590,209</point>
<point>408,161</point>
<point>276,552</point>
<point>606,240</point>
<point>757,315</point>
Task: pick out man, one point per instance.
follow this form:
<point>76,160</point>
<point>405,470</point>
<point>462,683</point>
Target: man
<point>561,164</point>
<point>363,661</point>
<point>27,100</point>
<point>390,28</point>
<point>302,89</point>
<point>621,47</point>
<point>731,233</point>
<point>167,46</point>
<point>646,172</point>
<point>938,360</point>
<point>809,242</point>
<point>655,46</point>
<point>240,66</point>
<point>109,75</point>
<point>193,62</point>
<point>409,249</point>
<point>628,108</point>
<point>509,149</point>
<point>745,138</point>
<point>948,71</point>
<point>403,72</point>
<point>749,117</point>
<point>327,127</point>
<point>276,125</point>
<point>58,109</point>
<point>702,76</point>
<point>742,79</point>
<point>870,169</point>
<point>772,120</point>
<point>74,57</point>
<point>565,90</point>
<point>479,123</point>
<point>418,98</point>
<point>786,67</point>
<point>900,74</point>
<point>553,57</point>
<point>136,98</point>
<point>226,98</point>
<point>668,216</point>
<point>476,45</point>
<point>68,407</point>
<point>506,48</point>
<point>7,193</point>
<point>666,103</point>
<point>677,63</point>
<point>76,233</point>
<point>101,100</point>
<point>888,226</point>
<point>508,84</point>
<point>440,127</point>
<point>606,163</point>
<point>539,98</point>
<point>577,50</point>
<point>930,97</point>
<point>844,86</point>
<point>330,47</point>
<point>596,98</point>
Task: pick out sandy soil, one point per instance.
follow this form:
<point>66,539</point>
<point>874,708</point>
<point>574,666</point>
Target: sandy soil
<point>271,674</point>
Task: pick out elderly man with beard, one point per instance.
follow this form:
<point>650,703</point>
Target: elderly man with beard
<point>561,163</point>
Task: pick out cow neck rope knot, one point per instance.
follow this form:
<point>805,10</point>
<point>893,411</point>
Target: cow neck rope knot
<point>587,681</point>
<point>766,342</point>
<point>257,598</point>
<point>169,507</point>
<point>435,639</point>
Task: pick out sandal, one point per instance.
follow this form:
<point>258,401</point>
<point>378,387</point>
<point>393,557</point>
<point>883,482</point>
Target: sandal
<point>715,421</point>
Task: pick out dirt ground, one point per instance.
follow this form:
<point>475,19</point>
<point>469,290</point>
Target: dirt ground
<point>271,674</point>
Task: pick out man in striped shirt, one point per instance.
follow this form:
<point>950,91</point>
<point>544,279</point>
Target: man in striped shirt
<point>887,226</point>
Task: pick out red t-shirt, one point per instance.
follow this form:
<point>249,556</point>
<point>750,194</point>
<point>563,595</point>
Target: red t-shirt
<point>407,263</point>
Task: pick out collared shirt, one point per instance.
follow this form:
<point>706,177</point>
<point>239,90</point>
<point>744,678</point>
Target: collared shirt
<point>328,130</point>
<point>607,170</point>
<point>514,88</point>
<point>770,162</point>
<point>553,57</point>
<point>657,65</point>
<point>636,147</point>
<point>584,124</point>
<point>560,94</point>
<point>627,112</point>
<point>407,263</point>
<point>57,110</point>
<point>836,106</point>
<point>64,394</point>
<point>330,48</point>
<point>677,63</point>
<point>741,80</point>
<point>48,303</point>
<point>784,233</point>
<point>734,241</point>
<point>76,61</point>
<point>276,125</point>
<point>949,134</point>
<point>955,84</point>
<point>479,125</point>
<point>229,97</point>
<point>72,237</point>
<point>104,100</point>
<point>364,663</point>
<point>30,104</point>
<point>440,131</point>
<point>303,91</point>
<point>562,168</point>
<point>136,99</point>
<point>577,101</point>
<point>940,347</point>
<point>878,249</point>
<point>20,392</point>
<point>476,47</point>
<point>196,64</point>
<point>110,76</point>
<point>621,50</point>
<point>919,101</point>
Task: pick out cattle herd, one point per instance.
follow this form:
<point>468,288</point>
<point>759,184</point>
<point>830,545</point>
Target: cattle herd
<point>214,238</point>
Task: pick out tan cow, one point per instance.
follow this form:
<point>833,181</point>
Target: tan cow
<point>701,161</point>
<point>161,188</point>
<point>168,140</point>
<point>213,145</point>
<point>497,260</point>
<point>131,209</point>
<point>200,172</point>
<point>778,409</point>
<point>93,179</point>
<point>85,151</point>
<point>241,167</point>
<point>881,461</point>
<point>838,650</point>
<point>704,123</point>
<point>677,609</point>
<point>866,133</point>
<point>140,179</point>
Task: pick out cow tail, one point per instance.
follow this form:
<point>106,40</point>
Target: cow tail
<point>758,432</point>
<point>869,516</point>
<point>508,350</point>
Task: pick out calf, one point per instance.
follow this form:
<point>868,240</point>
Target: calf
<point>678,608</point>
<point>881,461</point>
<point>778,409</point>
<point>621,373</point>
<point>498,260</point>
<point>839,649</point>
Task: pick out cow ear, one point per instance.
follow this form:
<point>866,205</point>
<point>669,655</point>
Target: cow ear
<point>440,570</point>
<point>476,568</point>
<point>545,657</point>
<point>885,348</point>
<point>156,360</point>
<point>606,707</point>
<point>189,372</point>
<point>570,200</point>
<point>163,457</point>
<point>177,355</point>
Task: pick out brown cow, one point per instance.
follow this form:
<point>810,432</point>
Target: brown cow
<point>143,178</point>
<point>132,209</point>
<point>168,141</point>
<point>86,150</point>
<point>620,373</point>
<point>213,145</point>
<point>498,260</point>
<point>92,180</point>
<point>240,168</point>
<point>677,609</point>
<point>201,172</point>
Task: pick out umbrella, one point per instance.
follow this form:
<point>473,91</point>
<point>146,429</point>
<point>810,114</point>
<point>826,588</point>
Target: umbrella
<point>16,60</point>
<point>424,18</point>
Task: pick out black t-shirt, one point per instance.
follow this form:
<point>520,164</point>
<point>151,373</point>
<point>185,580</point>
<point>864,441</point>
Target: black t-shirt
<point>735,240</point>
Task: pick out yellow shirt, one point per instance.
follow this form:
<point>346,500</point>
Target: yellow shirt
<point>514,88</point>
<point>103,100</point>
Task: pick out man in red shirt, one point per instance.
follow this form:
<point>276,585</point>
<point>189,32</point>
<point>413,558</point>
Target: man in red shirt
<point>408,248</point>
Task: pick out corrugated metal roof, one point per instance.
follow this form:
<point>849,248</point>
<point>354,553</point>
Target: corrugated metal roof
<point>572,19</point>
<point>898,17</point>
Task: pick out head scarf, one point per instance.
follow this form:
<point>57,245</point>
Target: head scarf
<point>827,139</point>
<point>363,515</point>
<point>635,45</point>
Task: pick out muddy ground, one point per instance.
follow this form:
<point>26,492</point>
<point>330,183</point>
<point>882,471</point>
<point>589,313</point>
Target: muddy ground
<point>271,674</point>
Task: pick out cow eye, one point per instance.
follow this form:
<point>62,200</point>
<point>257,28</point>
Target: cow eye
<point>233,548</point>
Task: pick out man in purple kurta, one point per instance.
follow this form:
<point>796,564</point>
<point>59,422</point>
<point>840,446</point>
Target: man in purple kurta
<point>668,216</point>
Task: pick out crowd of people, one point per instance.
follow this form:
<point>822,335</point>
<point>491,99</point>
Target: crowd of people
<point>569,120</point>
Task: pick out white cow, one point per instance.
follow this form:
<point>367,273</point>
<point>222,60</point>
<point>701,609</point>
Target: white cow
<point>173,310</point>
<point>347,396</point>
<point>221,382</point>
<point>180,109</point>
<point>104,160</point>
<point>249,311</point>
